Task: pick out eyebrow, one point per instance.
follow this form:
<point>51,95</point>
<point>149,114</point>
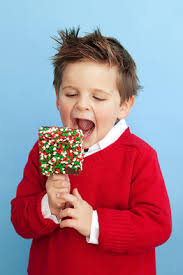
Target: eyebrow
<point>92,89</point>
<point>70,87</point>
<point>100,90</point>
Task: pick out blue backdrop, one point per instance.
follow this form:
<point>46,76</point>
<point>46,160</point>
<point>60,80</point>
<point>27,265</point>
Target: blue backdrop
<point>152,32</point>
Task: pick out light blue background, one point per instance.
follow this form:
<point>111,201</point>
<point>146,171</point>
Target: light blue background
<point>152,32</point>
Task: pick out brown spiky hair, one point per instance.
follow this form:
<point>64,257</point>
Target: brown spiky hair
<point>97,48</point>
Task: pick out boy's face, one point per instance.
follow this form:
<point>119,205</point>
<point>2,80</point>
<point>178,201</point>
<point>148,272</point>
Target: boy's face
<point>89,99</point>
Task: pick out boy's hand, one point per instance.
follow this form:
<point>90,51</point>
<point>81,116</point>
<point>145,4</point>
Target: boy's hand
<point>56,186</point>
<point>81,214</point>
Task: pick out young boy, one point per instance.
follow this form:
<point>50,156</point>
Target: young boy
<point>117,209</point>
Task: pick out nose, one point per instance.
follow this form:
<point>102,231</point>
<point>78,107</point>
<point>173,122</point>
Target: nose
<point>82,103</point>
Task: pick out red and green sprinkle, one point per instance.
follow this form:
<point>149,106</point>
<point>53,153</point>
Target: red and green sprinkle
<point>60,150</point>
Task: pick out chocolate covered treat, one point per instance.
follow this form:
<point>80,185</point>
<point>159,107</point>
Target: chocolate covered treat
<point>60,150</point>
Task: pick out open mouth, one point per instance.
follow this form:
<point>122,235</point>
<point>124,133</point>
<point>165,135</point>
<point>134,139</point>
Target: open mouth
<point>86,125</point>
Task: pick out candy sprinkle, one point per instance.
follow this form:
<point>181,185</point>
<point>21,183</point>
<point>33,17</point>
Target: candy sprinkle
<point>60,150</point>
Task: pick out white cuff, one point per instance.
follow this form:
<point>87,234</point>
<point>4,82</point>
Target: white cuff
<point>46,210</point>
<point>94,229</point>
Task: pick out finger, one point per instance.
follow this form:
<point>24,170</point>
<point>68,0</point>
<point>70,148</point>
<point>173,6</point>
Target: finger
<point>60,205</point>
<point>68,212</point>
<point>67,177</point>
<point>59,177</point>
<point>76,193</point>
<point>71,199</point>
<point>60,184</point>
<point>61,192</point>
<point>72,223</point>
<point>58,195</point>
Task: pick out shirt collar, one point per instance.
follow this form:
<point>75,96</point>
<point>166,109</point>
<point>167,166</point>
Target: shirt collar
<point>116,131</point>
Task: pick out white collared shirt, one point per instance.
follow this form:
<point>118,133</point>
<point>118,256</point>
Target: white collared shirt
<point>111,137</point>
<point>117,130</point>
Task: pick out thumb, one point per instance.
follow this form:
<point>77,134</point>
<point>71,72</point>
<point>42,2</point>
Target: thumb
<point>76,193</point>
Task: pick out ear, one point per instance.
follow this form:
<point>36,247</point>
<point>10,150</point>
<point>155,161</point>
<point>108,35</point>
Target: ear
<point>125,107</point>
<point>57,99</point>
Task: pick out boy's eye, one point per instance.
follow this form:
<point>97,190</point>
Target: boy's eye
<point>95,97</point>
<point>99,98</point>
<point>71,95</point>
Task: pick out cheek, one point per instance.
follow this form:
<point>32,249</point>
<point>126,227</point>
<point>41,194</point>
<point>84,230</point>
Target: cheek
<point>104,118</point>
<point>107,113</point>
<point>64,112</point>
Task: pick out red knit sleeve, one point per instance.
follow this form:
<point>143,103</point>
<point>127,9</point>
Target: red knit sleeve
<point>26,214</point>
<point>147,222</point>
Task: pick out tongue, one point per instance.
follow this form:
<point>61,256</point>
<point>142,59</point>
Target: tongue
<point>85,124</point>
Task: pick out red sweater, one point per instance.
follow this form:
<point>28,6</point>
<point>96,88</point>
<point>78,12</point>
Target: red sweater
<point>124,183</point>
